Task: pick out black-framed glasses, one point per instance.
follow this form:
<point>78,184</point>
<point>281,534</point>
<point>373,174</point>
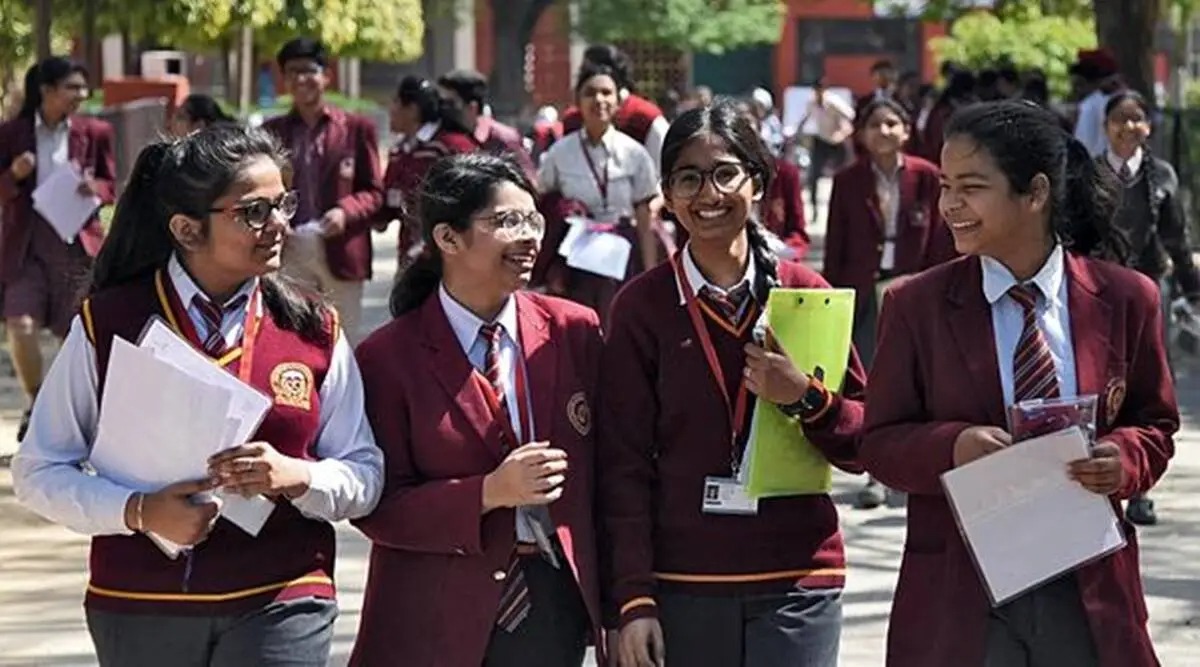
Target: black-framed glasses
<point>726,177</point>
<point>297,71</point>
<point>510,224</point>
<point>257,213</point>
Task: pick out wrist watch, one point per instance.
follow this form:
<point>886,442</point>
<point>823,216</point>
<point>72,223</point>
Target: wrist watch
<point>811,400</point>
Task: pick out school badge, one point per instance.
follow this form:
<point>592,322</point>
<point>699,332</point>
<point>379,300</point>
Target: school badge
<point>347,168</point>
<point>1114,398</point>
<point>292,385</point>
<point>579,413</point>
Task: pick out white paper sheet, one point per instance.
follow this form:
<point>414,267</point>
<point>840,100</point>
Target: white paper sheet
<point>59,202</point>
<point>1024,520</point>
<point>248,407</point>
<point>602,253</point>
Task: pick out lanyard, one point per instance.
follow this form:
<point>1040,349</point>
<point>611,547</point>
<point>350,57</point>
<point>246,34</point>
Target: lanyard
<point>181,322</point>
<point>736,408</point>
<point>601,183</point>
<point>501,415</point>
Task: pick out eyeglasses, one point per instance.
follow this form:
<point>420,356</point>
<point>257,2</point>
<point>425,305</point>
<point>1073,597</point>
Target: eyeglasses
<point>727,178</point>
<point>257,213</point>
<point>295,72</point>
<point>509,225</point>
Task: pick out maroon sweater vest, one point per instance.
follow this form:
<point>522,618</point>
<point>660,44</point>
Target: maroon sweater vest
<point>230,572</point>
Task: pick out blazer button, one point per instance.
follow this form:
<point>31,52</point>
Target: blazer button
<point>499,575</point>
<point>460,551</point>
<point>879,247</point>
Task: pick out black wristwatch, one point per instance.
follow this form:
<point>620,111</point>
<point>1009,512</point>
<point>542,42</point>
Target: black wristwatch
<point>812,400</point>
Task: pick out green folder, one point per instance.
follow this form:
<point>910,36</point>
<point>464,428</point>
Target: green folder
<point>813,326</point>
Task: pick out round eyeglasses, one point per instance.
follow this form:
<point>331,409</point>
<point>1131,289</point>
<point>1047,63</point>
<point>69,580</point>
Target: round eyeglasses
<point>726,177</point>
<point>509,225</point>
<point>256,213</point>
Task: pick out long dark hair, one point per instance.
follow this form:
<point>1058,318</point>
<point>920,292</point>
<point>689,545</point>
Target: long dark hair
<point>725,120</point>
<point>185,177</point>
<point>50,72</point>
<point>418,90</point>
<point>1025,140</point>
<point>1149,168</point>
<point>456,188</point>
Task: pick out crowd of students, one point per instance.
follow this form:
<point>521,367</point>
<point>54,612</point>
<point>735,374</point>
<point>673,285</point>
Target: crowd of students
<point>528,447</point>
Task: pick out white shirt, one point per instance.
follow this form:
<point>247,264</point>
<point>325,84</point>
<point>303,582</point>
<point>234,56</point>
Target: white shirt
<point>1134,162</point>
<point>346,478</point>
<point>52,146</point>
<point>1053,318</point>
<point>1089,128</point>
<point>887,191</point>
<point>424,134</point>
<point>654,142</point>
<point>631,175</point>
<point>833,118</point>
<point>465,326</point>
<point>697,281</point>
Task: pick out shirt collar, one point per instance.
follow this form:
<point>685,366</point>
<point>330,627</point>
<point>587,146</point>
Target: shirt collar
<point>606,139</point>
<point>465,324</point>
<point>483,128</point>
<point>187,289</point>
<point>427,131</point>
<point>40,124</point>
<point>892,176</point>
<point>697,281</point>
<point>1134,162</point>
<point>997,279</point>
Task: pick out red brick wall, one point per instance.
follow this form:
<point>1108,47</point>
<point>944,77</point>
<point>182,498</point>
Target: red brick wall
<point>553,80</point>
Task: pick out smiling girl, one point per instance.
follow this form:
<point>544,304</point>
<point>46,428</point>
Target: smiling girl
<point>681,374</point>
<point>481,393</point>
<point>196,241</point>
<point>1034,311</point>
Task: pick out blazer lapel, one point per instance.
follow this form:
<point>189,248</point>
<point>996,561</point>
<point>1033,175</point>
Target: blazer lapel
<point>910,199</point>
<point>1091,327</point>
<point>455,374</point>
<point>541,364</point>
<point>971,325</point>
<point>872,194</point>
<point>76,145</point>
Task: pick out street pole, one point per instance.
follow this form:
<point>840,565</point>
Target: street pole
<point>246,65</point>
<point>42,28</point>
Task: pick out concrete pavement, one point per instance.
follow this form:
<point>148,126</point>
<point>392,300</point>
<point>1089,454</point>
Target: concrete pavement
<point>43,567</point>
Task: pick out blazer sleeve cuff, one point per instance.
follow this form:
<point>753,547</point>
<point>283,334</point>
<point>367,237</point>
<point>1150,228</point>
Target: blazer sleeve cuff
<point>639,607</point>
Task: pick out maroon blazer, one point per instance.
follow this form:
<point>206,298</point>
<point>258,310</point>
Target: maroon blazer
<point>936,373</point>
<point>855,235</point>
<point>405,174</point>
<point>349,140</point>
<point>90,143</point>
<point>783,207</point>
<point>432,593</point>
<point>496,137</point>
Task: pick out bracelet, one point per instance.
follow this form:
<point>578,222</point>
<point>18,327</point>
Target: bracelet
<point>141,501</point>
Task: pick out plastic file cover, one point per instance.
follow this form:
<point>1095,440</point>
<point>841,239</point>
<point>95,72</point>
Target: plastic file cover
<point>814,327</point>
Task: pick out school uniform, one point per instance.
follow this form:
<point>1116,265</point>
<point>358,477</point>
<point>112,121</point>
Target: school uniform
<point>41,276</point>
<point>610,179</point>
<point>882,226</point>
<point>408,163</point>
<point>237,599</point>
<point>495,137</point>
<point>335,163</point>
<point>637,117</point>
<point>442,577</point>
<point>724,587</point>
<point>783,207</point>
<point>948,339</point>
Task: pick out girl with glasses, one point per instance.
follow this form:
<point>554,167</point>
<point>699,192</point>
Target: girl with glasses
<point>1038,308</point>
<point>481,395</point>
<point>196,242</point>
<point>608,178</point>
<point>681,375</point>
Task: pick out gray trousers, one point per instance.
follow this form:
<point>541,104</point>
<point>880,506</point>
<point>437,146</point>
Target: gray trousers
<point>1045,627</point>
<point>802,628</point>
<point>295,633</point>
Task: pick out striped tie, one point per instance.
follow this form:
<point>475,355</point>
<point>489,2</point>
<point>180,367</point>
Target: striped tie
<point>213,316</point>
<point>514,600</point>
<point>731,305</point>
<point>1034,375</point>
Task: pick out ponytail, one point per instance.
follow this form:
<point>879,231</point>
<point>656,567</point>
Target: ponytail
<point>139,241</point>
<point>49,72</point>
<point>417,282</point>
<point>766,263</point>
<point>1091,196</point>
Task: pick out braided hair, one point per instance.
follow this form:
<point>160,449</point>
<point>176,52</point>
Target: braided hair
<point>725,119</point>
<point>1150,168</point>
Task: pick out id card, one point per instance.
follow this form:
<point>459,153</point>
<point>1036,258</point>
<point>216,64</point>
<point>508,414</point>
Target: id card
<point>723,495</point>
<point>887,261</point>
<point>395,198</point>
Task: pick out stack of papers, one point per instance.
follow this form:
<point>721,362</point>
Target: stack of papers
<point>1024,521</point>
<point>167,408</point>
<point>601,252</point>
<point>59,202</point>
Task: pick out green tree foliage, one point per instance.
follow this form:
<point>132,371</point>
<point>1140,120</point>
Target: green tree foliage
<point>390,30</point>
<point>711,26</point>
<point>1027,39</point>
<point>17,49</point>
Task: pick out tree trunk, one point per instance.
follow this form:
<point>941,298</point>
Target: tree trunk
<point>91,41</point>
<point>42,21</point>
<point>512,28</point>
<point>1127,28</point>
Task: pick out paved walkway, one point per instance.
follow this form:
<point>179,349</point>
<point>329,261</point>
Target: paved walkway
<point>43,567</point>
